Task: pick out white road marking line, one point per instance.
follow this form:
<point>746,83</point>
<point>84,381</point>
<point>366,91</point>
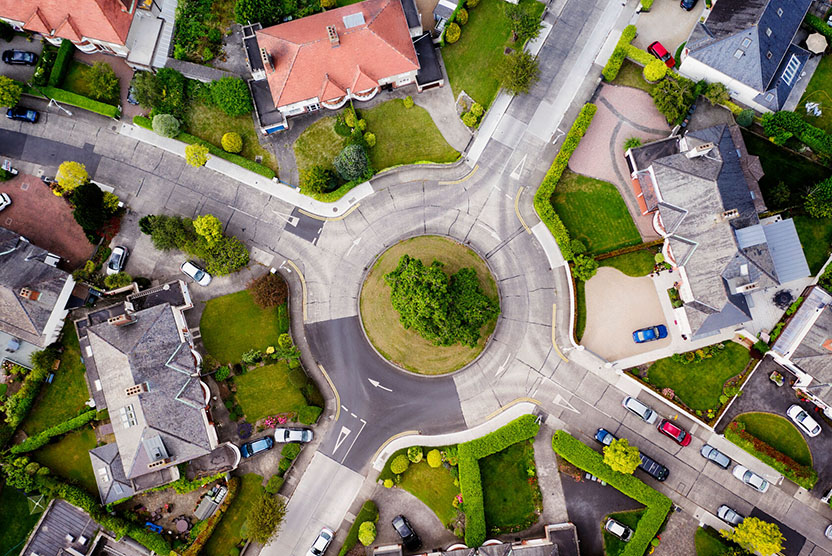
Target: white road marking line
<point>363,424</point>
<point>342,435</point>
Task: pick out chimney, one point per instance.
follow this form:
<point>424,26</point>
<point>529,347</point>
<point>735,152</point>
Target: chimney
<point>29,294</point>
<point>158,463</point>
<point>121,320</point>
<point>700,150</point>
<point>333,35</point>
<point>267,59</point>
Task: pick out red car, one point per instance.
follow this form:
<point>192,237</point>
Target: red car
<point>678,434</point>
<point>660,52</point>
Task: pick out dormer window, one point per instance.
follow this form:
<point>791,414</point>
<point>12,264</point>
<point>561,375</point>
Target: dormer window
<point>746,42</point>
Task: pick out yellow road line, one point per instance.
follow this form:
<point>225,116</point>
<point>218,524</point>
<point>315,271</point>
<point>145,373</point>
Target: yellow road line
<point>329,218</point>
<point>463,178</point>
<point>334,389</point>
<point>302,286</point>
<point>554,343</point>
<point>510,404</point>
<point>517,209</point>
<point>389,440</point>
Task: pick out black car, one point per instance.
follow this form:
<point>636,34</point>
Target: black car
<point>687,4</point>
<point>22,114</point>
<point>409,537</point>
<point>20,57</point>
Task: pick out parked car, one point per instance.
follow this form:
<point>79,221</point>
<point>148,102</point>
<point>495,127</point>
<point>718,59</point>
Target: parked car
<point>803,420</point>
<point>712,454</point>
<point>650,333</point>
<point>641,409</point>
<point>409,537</point>
<point>728,515</point>
<point>674,431</point>
<point>256,446</point>
<point>660,52</point>
<point>5,200</point>
<point>22,114</point>
<point>618,529</point>
<point>20,57</point>
<point>293,434</point>
<point>828,532</point>
<point>687,5</point>
<point>653,468</point>
<point>131,91</point>
<point>118,258</point>
<point>197,273</point>
<point>605,437</point>
<point>321,542</point>
<point>750,478</point>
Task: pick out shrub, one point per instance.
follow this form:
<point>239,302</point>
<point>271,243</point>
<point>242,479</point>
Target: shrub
<point>782,125</point>
<point>367,533</point>
<point>745,118</point>
<point>672,97</point>
<point>70,175</point>
<point>196,155</point>
<point>103,81</point>
<point>232,96</point>
<point>399,464</point>
<point>89,212</point>
<point>252,356</point>
<point>166,125</point>
<point>415,454</point>
<point>317,179</point>
<point>309,414</point>
<point>469,119</point>
<point>368,513</point>
<point>452,33</point>
<point>328,3</point>
<point>818,203</point>
<point>619,54</point>
<point>434,458</point>
<point>283,465</point>
<point>232,142</point>
<point>717,93</point>
<point>646,4</point>
<point>461,16</point>
<point>408,101</point>
<point>290,451</point>
<point>477,109</point>
<point>222,373</point>
<point>388,483</point>
<point>274,484</point>
<point>264,518</point>
<point>518,71</point>
<point>352,162</point>
<point>472,3</point>
<point>267,12</point>
<point>584,267</point>
<point>370,139</point>
<point>632,143</point>
<point>32,443</point>
<point>269,290</point>
<point>654,71</point>
<point>10,91</point>
<point>171,99</point>
<point>819,25</point>
<point>119,280</point>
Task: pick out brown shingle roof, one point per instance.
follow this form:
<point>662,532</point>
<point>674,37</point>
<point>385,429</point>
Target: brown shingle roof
<point>105,20</point>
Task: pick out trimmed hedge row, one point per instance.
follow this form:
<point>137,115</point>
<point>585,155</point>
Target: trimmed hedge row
<point>265,171</point>
<point>42,438</point>
<point>818,25</point>
<point>61,65</point>
<point>658,505</point>
<point>82,102</point>
<point>613,65</point>
<point>639,56</point>
<point>369,512</point>
<point>542,198</point>
<point>522,428</point>
<point>790,122</point>
<point>18,405</point>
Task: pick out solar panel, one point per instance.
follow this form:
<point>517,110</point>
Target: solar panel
<point>353,20</point>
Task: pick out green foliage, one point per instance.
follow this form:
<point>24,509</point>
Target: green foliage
<point>196,155</point>
<point>183,486</point>
<point>452,33</point>
<point>308,415</point>
<point>44,66</point>
<point>70,175</point>
<point>290,451</point>
<point>103,81</point>
<point>10,91</point>
<point>317,179</point>
<point>118,280</point>
<point>518,72</point>
<point>171,99</point>
<point>32,443</point>
<point>584,267</point>
<point>632,143</point>
<point>434,458</point>
<point>819,202</point>
<point>88,211</point>
<point>166,125</point>
<point>622,457</point>
<point>444,310</point>
<point>232,142</point>
<point>147,89</point>
<point>388,483</point>
<point>367,533</point>
<point>266,12</point>
<point>370,139</point>
<point>408,101</point>
<point>461,16</point>
<point>756,535</point>
<point>782,125</point>
<point>672,97</point>
<point>525,23</point>
<point>619,54</point>
<point>222,373</point>
<point>274,484</point>
<point>252,357</point>
<point>368,513</point>
<point>654,71</point>
<point>209,228</point>
<point>352,162</point>
<point>232,96</point>
<point>577,246</point>
<point>469,119</point>
<point>264,518</point>
<point>415,454</point>
<point>646,4</point>
<point>717,93</point>
<point>399,464</point>
<point>79,101</point>
<point>819,25</point>
<point>477,109</point>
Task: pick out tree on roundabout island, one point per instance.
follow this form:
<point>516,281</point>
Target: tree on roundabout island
<point>445,310</point>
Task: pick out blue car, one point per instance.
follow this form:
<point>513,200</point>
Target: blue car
<point>256,446</point>
<point>650,334</point>
<point>22,114</point>
<point>605,437</point>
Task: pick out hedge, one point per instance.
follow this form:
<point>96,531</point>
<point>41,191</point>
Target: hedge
<point>79,101</point>
<point>613,65</point>
<point>522,428</point>
<point>183,486</point>
<point>308,415</point>
<point>783,121</point>
<point>802,475</point>
<point>18,405</point>
<point>61,65</point>
<point>369,512</point>
<point>42,438</point>
<point>265,171</point>
<point>819,25</point>
<point>290,451</point>
<point>212,522</point>
<point>658,505</point>
<point>542,198</point>
<point>638,55</point>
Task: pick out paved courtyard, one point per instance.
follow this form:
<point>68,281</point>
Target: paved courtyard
<point>667,23</point>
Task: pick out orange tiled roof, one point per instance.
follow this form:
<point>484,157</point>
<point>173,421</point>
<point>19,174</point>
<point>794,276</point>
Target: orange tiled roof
<point>105,20</point>
<point>307,65</point>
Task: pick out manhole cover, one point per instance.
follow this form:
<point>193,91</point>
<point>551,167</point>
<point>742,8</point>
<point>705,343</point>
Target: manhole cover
<point>24,186</point>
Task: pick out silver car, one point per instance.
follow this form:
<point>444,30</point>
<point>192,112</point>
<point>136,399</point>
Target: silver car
<point>5,200</point>
<point>618,529</point>
<point>198,274</point>
<point>117,260</point>
<point>728,515</point>
<point>293,434</point>
<point>321,542</point>
<point>641,409</point>
<point>712,454</point>
<point>803,420</point>
<point>750,478</point>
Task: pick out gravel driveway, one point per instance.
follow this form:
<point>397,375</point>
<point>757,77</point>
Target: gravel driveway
<point>667,23</point>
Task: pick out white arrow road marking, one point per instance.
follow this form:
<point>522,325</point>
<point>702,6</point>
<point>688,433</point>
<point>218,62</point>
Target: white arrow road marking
<point>378,385</point>
<point>519,168</point>
<point>354,243</point>
<point>342,435</point>
<point>561,401</point>
<point>503,366</point>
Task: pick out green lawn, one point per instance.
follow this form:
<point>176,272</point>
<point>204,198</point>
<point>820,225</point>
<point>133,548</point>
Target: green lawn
<point>613,545</point>
<point>368,512</point>
<point>815,238</point>
<point>318,145</point>
<point>70,458</point>
<point>232,324</point>
<point>471,61</point>
<point>594,212</point>
<point>78,81</point>
<point>819,90</point>
<point>68,392</point>
<point>709,544</point>
<point>208,122</point>
<point>778,433</point>
<point>16,519</point>
<point>434,487</point>
<point>227,534</point>
<point>637,263</point>
<point>699,385</point>
<point>511,502</point>
<point>630,75</point>
<point>270,389</point>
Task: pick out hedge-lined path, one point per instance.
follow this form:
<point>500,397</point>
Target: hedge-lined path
<point>125,75</point>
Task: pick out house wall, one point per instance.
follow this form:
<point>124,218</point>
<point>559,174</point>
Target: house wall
<point>696,70</point>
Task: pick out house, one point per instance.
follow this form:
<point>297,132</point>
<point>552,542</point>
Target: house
<point>137,30</point>
<point>804,347</point>
<point>702,192</point>
<point>64,529</point>
<point>142,367</point>
<point>34,294</point>
<point>750,46</point>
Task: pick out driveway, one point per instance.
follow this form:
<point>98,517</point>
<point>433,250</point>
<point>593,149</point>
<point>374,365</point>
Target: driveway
<point>125,75</point>
<point>616,305</point>
<point>21,73</point>
<point>397,501</point>
<point>667,23</point>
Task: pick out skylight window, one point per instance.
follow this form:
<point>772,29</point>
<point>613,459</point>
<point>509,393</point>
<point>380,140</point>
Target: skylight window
<point>738,54</point>
<point>768,31</point>
<point>780,12</point>
<point>791,70</point>
<point>353,20</point>
<point>746,42</point>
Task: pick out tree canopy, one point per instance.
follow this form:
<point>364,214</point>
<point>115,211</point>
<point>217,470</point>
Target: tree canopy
<point>756,535</point>
<point>264,518</point>
<point>622,457</point>
<point>819,202</point>
<point>518,72</point>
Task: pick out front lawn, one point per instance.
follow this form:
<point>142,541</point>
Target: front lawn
<point>631,75</point>
<point>16,519</point>
<point>208,122</point>
<point>709,543</point>
<point>778,433</point>
<point>512,501</point>
<point>227,533</point>
<point>318,145</point>
<point>636,264</point>
<point>699,384</point>
<point>78,81</point>
<point>68,392</point>
<point>818,90</point>
<point>70,458</point>
<point>270,389</point>
<point>815,237</point>
<point>434,487</point>
<point>613,546</point>
<point>594,212</point>
<point>471,61</point>
<point>232,324</point>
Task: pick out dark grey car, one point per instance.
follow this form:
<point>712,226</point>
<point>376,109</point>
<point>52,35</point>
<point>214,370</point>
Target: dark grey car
<point>712,454</point>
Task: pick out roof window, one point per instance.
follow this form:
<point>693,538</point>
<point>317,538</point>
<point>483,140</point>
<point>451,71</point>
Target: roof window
<point>780,12</point>
<point>791,70</point>
<point>768,31</point>
<point>746,42</point>
<point>770,97</point>
<point>738,54</point>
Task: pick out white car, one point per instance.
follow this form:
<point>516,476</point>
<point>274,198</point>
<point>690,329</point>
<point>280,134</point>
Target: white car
<point>293,434</point>
<point>803,420</point>
<point>199,275</point>
<point>117,260</point>
<point>321,543</point>
<point>641,409</point>
<point>828,532</point>
<point>618,529</point>
<point>750,478</point>
<point>5,200</point>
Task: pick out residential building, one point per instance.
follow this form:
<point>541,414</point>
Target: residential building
<point>34,294</point>
<point>142,367</point>
<point>702,192</point>
<point>751,47</point>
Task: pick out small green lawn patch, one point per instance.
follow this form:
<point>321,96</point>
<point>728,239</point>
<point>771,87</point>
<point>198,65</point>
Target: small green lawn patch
<point>471,61</point>
<point>78,81</point>
<point>16,519</point>
<point>70,458</point>
<point>818,90</point>
<point>636,264</point>
<point>778,433</point>
<point>227,534</point>
<point>594,212</point>
<point>270,389</point>
<point>512,501</point>
<point>630,75</point>
<point>709,543</point>
<point>434,487</point>
<point>699,385</point>
<point>613,546</point>
<point>815,237</point>
<point>318,145</point>
<point>68,392</point>
<point>232,324</point>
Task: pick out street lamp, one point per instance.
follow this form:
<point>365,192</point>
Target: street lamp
<point>53,102</point>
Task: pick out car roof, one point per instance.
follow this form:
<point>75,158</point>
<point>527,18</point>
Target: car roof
<point>670,427</point>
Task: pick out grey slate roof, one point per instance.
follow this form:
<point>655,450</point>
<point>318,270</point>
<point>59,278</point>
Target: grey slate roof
<point>106,462</point>
<point>59,520</point>
<point>27,319</point>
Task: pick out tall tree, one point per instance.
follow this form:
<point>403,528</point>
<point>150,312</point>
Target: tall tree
<point>208,227</point>
<point>70,175</point>
<point>10,91</point>
<point>756,535</point>
<point>518,72</point>
<point>622,457</point>
<point>525,24</point>
<point>264,518</point>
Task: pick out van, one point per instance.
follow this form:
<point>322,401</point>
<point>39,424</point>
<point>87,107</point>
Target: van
<point>653,468</point>
<point>641,409</point>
